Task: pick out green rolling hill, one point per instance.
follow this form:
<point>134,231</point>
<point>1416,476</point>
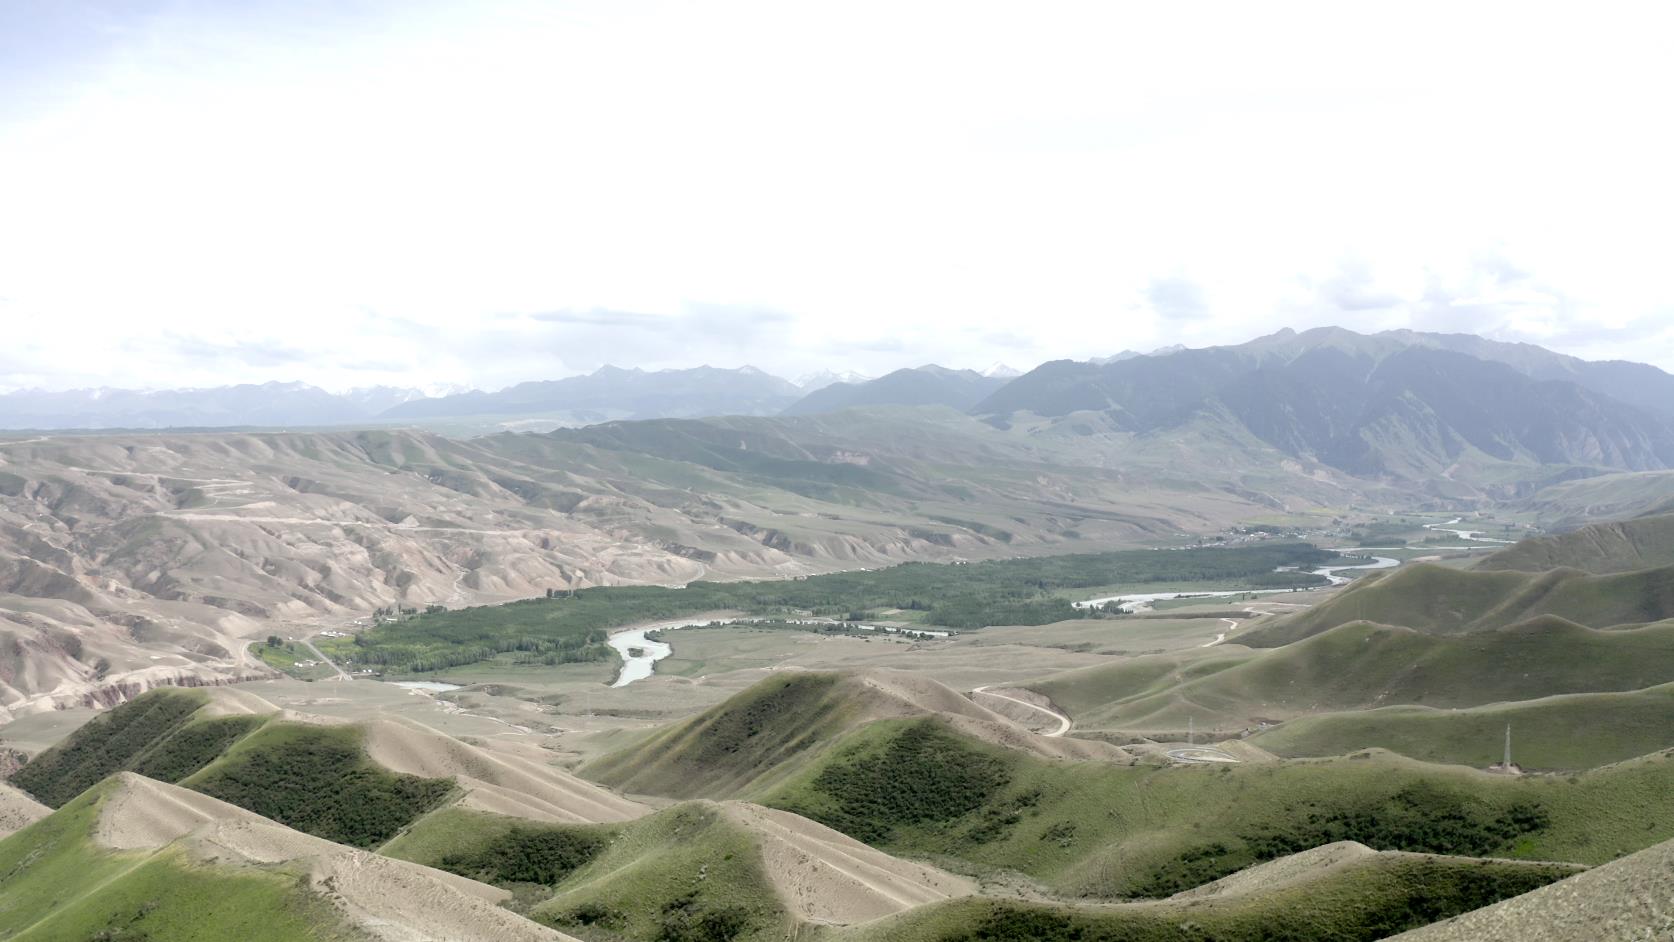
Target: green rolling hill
<point>1572,731</point>
<point>1576,502</point>
<point>1621,546</point>
<point>756,738</point>
<point>1362,666</point>
<point>1438,600</point>
<point>358,784</point>
<point>859,779</point>
<point>917,788</point>
<point>1366,896</point>
<point>317,779</point>
<point>1622,899</point>
<point>60,884</point>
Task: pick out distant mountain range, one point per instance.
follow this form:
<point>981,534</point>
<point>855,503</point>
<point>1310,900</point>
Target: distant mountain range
<point>264,405</point>
<point>1398,403</point>
<point>922,386</point>
<point>812,381</point>
<point>612,393</point>
<point>608,394</point>
<point>1401,403</point>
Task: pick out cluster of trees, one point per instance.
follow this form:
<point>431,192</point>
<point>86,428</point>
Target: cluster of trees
<point>319,781</point>
<point>106,745</point>
<point>1011,592</point>
<point>565,649</point>
<point>923,775</point>
<point>1421,818</point>
<point>397,611</point>
<point>526,854</point>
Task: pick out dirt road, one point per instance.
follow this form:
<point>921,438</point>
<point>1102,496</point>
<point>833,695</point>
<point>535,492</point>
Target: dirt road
<point>1064,723</point>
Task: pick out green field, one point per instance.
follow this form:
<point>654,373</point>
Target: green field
<point>287,657</point>
<point>572,628</point>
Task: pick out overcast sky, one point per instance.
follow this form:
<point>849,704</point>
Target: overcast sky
<point>196,193</point>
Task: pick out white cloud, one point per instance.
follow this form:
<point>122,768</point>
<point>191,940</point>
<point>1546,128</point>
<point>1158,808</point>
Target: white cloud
<point>393,194</point>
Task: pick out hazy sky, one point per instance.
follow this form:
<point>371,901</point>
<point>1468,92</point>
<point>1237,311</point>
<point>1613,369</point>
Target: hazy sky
<point>194,193</point>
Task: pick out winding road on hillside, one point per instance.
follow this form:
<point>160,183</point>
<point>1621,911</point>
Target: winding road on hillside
<point>1233,623</point>
<point>1064,722</point>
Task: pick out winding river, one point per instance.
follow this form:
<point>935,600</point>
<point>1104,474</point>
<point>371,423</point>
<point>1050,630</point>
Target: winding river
<point>1469,536</point>
<point>640,653</point>
<point>1140,601</point>
<point>640,666</point>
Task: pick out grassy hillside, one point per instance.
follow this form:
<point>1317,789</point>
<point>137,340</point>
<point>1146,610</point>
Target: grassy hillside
<point>696,871</point>
<point>687,873</point>
<point>1575,503</point>
<point>914,787</point>
<point>1623,899</point>
<point>725,749</point>
<point>1578,731</point>
<point>753,740</point>
<point>691,872</point>
<point>1362,666</point>
<point>317,779</point>
<point>500,850</point>
<point>1440,600</point>
<point>1097,697</point>
<point>162,734</point>
<point>1623,546</point>
<point>1370,899</point>
<point>60,886</point>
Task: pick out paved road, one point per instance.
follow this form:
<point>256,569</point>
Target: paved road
<point>326,661</point>
<point>1063,721</point>
<point>1200,754</point>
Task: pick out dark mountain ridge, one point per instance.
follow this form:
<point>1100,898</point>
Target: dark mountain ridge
<point>921,386</point>
<point>1371,405</point>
